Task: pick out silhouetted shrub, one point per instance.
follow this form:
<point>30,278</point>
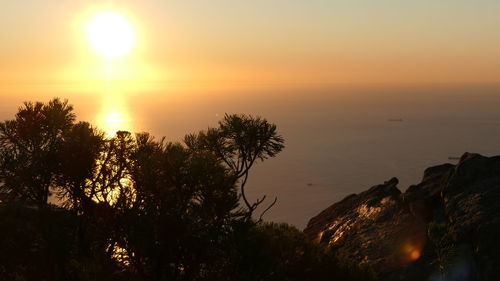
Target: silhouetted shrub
<point>272,251</point>
<point>130,207</point>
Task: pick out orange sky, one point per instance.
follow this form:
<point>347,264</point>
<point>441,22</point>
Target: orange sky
<point>222,43</point>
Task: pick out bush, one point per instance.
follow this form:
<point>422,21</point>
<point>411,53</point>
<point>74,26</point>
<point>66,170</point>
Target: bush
<point>134,208</point>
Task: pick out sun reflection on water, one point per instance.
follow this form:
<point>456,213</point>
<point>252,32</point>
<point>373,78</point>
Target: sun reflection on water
<point>114,115</point>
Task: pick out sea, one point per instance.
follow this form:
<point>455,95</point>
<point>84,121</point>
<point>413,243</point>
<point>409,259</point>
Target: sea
<point>339,139</point>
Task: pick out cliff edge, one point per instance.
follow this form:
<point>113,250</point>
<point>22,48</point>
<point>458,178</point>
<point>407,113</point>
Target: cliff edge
<point>444,228</point>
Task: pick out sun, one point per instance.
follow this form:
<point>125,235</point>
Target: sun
<point>111,34</point>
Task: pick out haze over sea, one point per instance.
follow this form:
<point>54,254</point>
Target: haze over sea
<point>339,140</point>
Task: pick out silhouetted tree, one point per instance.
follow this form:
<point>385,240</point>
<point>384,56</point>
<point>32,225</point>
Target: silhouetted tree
<point>28,147</point>
<point>239,141</point>
<point>78,160</point>
<point>131,207</point>
<point>180,218</point>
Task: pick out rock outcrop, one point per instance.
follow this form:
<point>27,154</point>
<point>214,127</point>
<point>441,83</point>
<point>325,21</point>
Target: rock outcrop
<point>390,229</point>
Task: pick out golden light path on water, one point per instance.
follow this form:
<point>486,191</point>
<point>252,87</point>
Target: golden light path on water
<point>113,37</point>
<point>114,114</point>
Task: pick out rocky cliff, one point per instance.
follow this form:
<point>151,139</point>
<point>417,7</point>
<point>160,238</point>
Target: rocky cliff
<point>444,228</point>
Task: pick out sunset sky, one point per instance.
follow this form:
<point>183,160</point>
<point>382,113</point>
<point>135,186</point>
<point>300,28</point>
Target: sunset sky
<point>212,44</point>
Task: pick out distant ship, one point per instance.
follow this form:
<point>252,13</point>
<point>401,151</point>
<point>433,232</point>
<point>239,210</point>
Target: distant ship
<point>395,120</point>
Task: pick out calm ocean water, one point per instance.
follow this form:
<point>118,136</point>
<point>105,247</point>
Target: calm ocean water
<point>338,141</point>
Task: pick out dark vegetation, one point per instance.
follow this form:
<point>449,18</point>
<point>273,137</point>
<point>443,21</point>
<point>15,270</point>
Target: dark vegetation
<point>443,246</point>
<point>76,205</point>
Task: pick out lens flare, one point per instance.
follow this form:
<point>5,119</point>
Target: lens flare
<point>412,251</point>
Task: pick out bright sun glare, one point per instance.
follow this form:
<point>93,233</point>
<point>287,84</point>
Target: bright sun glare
<point>111,34</point>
